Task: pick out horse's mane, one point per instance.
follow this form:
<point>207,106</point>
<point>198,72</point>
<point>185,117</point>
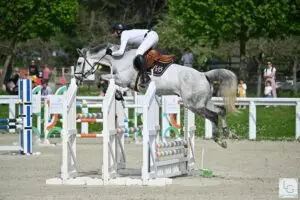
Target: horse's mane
<point>98,48</point>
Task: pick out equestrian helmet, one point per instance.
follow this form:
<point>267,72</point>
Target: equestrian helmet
<point>118,26</point>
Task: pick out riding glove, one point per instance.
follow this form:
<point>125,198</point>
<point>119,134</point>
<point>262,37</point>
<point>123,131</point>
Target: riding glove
<point>108,51</point>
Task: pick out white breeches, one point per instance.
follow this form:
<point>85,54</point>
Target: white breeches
<point>149,41</point>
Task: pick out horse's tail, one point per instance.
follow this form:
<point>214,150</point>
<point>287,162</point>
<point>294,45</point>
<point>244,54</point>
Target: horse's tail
<point>227,82</point>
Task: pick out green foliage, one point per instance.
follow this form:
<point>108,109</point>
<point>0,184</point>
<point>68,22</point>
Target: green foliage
<point>179,43</point>
<point>26,19</point>
<point>236,20</point>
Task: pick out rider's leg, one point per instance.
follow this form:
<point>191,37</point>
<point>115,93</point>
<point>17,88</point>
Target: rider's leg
<point>140,64</point>
<point>139,61</point>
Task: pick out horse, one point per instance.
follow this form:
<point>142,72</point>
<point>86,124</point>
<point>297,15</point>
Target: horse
<point>194,87</point>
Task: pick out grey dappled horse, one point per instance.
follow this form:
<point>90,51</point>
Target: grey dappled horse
<point>194,87</point>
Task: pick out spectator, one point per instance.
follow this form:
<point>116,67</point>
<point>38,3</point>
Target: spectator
<point>269,75</point>
<point>46,90</point>
<point>23,73</point>
<point>188,59</point>
<point>16,76</point>
<point>11,87</point>
<point>242,88</point>
<point>268,90</point>
<point>33,69</point>
<point>46,73</point>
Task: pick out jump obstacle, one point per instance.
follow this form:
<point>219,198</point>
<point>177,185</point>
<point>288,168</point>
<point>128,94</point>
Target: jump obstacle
<point>13,100</point>
<point>161,160</point>
<point>23,123</point>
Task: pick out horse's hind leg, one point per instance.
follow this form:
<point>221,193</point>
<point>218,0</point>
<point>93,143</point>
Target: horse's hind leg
<point>213,117</point>
<point>222,112</point>
<point>211,108</point>
<point>225,129</point>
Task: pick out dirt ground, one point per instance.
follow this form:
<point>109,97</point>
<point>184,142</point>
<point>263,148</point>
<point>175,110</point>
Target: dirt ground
<point>246,170</point>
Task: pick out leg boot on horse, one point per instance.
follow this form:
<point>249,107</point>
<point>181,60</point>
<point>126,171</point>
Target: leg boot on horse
<point>141,65</point>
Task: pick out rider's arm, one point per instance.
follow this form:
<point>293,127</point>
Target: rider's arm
<point>124,40</point>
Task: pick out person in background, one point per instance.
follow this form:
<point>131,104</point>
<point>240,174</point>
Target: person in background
<point>242,88</point>
<point>33,69</point>
<point>187,59</point>
<point>46,73</point>
<point>46,90</point>
<point>15,76</point>
<point>268,90</point>
<point>269,75</point>
<point>12,83</point>
<point>23,73</point>
<point>11,87</point>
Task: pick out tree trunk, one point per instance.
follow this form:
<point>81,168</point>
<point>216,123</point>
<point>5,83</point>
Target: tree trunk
<point>6,64</point>
<point>295,65</point>
<point>92,20</point>
<point>259,78</point>
<point>243,66</point>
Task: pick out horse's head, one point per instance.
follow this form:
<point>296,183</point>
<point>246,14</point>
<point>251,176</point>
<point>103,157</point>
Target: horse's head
<point>92,63</point>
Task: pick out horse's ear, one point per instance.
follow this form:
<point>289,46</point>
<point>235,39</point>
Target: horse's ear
<point>80,51</point>
<point>84,51</point>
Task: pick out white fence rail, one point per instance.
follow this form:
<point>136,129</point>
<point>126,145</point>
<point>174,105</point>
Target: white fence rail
<point>252,103</point>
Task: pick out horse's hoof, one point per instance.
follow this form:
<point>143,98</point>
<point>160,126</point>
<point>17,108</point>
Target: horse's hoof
<point>222,143</point>
<point>233,135</point>
<point>119,95</point>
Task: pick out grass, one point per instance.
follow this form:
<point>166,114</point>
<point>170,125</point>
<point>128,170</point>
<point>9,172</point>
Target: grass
<point>273,123</point>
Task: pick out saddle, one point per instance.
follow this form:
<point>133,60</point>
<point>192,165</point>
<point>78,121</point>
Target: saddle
<point>154,58</point>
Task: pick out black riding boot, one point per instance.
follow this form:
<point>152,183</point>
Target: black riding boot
<point>139,63</point>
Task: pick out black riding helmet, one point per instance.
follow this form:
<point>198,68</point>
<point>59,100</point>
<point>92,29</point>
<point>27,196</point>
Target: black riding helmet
<point>118,26</point>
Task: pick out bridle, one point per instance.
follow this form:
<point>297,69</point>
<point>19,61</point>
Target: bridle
<point>95,66</point>
<point>92,70</point>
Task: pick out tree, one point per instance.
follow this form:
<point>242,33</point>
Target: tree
<point>237,20</point>
<point>27,19</point>
<point>97,16</point>
<point>290,54</point>
<point>179,42</point>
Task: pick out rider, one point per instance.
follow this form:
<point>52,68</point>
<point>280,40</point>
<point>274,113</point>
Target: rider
<point>145,38</point>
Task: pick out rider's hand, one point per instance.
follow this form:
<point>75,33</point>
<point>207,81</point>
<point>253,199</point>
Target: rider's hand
<point>108,51</point>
